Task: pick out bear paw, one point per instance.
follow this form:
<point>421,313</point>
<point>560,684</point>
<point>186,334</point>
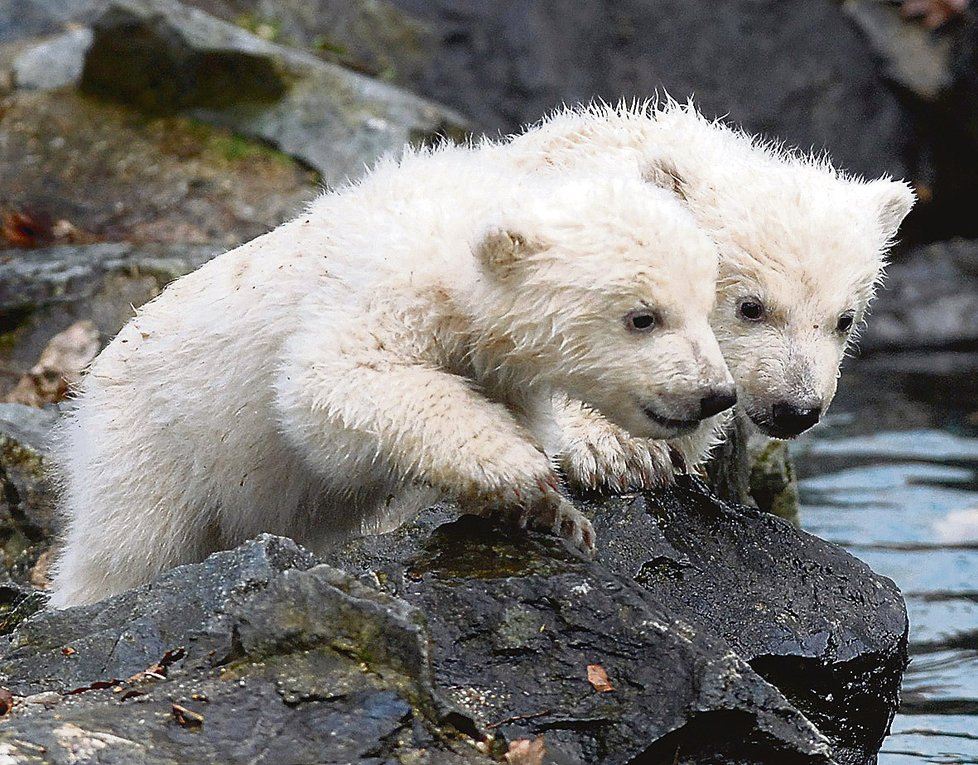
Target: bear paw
<point>541,507</point>
<point>613,460</point>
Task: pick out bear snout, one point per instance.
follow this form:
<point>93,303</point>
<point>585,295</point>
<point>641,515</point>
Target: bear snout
<point>789,420</point>
<point>717,401</point>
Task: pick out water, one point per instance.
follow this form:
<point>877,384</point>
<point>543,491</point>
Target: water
<point>904,499</point>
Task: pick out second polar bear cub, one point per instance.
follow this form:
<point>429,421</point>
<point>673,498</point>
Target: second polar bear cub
<point>400,341</point>
<point>802,247</point>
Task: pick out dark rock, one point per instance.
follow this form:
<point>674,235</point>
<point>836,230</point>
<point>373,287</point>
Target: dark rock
<point>929,300</point>
<point>910,55</point>
<point>811,619</point>
<point>254,656</point>
<point>798,71</point>
<point>164,57</point>
<point>28,521</point>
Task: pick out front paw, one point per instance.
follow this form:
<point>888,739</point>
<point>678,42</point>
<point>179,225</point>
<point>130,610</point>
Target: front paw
<point>613,460</point>
<point>541,507</point>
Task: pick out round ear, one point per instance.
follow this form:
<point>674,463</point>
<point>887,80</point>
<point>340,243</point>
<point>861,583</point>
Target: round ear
<point>663,173</point>
<point>501,251</point>
<point>892,200</point>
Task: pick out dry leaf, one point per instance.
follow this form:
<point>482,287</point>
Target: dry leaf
<point>933,13</point>
<point>6,701</point>
<point>523,751</point>
<point>60,366</point>
<point>68,651</point>
<point>598,678</point>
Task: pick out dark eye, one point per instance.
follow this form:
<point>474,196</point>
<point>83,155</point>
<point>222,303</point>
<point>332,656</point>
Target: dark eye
<point>845,323</point>
<point>640,321</point>
<point>751,309</point>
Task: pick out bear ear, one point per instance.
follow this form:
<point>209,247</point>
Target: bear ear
<point>892,200</point>
<point>502,250</point>
<point>663,173</point>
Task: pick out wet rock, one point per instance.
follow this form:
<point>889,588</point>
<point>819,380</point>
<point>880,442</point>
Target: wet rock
<point>811,620</point>
<point>28,523</point>
<point>253,651</point>
<point>165,58</point>
<point>929,300</point>
<point>808,617</point>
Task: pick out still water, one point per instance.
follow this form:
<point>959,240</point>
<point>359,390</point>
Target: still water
<point>904,499</point>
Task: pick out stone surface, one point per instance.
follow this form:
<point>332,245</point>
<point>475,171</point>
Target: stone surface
<point>727,636</point>
<point>912,56</point>
<point>76,170</point>
<point>253,656</point>
<point>371,36</point>
<point>164,57</point>
<point>796,71</point>
<point>929,300</point>
<point>44,291</point>
<point>55,63</point>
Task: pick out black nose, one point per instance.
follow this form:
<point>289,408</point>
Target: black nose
<point>789,420</point>
<point>717,401</point>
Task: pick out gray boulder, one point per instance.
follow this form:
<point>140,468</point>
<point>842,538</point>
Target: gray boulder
<point>164,57</point>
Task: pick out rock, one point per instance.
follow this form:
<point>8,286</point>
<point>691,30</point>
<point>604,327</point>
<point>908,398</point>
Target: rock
<point>27,519</point>
<point>799,72</point>
<point>371,36</point>
<point>929,300</point>
<point>163,57</point>
<point>749,468</point>
<point>911,56</point>
<point>43,292</point>
<point>806,616</point>
<point>55,63</point>
<point>75,170</point>
<point>726,635</point>
<point>252,651</point>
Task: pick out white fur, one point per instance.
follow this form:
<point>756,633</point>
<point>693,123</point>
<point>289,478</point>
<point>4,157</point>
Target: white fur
<point>400,341</point>
<point>805,239</point>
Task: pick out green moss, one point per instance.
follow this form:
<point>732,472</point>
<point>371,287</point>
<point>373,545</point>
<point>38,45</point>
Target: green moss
<point>267,29</point>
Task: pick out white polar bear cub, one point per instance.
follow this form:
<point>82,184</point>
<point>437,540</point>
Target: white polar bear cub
<point>801,246</point>
<point>400,341</point>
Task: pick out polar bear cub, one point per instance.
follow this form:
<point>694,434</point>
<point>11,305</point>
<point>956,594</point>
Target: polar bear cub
<point>399,342</point>
<point>802,247</point>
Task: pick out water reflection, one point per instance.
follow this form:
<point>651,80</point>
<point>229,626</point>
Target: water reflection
<point>906,502</point>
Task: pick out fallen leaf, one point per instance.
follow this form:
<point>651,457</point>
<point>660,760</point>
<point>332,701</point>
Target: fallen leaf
<point>598,678</point>
<point>25,228</point>
<point>523,751</point>
<point>933,13</point>
<point>68,651</point>
<point>186,717</point>
<point>6,701</point>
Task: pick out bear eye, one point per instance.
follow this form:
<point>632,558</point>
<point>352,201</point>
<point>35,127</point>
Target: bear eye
<point>751,309</point>
<point>845,323</point>
<point>641,321</point>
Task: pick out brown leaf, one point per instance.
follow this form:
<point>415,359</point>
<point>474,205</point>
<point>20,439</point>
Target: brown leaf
<point>25,228</point>
<point>186,717</point>
<point>598,678</point>
<point>68,651</point>
<point>523,751</point>
<point>60,366</point>
<point>6,701</point>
